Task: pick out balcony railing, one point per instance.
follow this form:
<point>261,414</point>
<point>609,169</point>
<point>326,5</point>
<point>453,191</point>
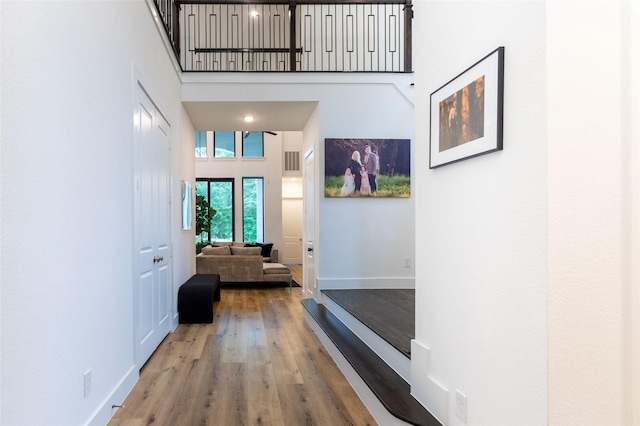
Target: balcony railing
<point>278,35</point>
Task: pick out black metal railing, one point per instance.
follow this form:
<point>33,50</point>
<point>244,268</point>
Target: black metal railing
<point>278,35</point>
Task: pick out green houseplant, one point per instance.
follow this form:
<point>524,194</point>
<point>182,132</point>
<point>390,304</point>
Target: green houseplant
<point>204,215</point>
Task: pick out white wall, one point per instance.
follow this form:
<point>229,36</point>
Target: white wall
<point>362,242</point>
<point>529,263</point>
<point>631,51</point>
<point>349,253</point>
<point>589,210</point>
<point>67,115</point>
<point>481,282</point>
<point>183,169</point>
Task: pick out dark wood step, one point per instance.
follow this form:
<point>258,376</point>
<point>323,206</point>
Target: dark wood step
<point>390,313</point>
<point>392,390</point>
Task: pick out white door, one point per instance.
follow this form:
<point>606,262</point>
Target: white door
<point>292,231</point>
<point>152,257</point>
<point>310,286</point>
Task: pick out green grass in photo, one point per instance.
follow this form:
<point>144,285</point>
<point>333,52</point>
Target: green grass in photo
<point>388,186</point>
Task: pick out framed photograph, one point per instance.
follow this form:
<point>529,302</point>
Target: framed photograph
<point>367,168</point>
<point>466,113</point>
<point>186,205</point>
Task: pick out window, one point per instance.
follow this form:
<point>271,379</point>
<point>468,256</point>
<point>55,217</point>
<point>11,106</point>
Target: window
<point>201,144</point>
<point>224,144</point>
<point>252,144</point>
<point>253,209</point>
<point>219,194</point>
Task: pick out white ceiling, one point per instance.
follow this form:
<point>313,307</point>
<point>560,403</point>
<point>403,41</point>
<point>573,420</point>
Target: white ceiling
<point>270,116</point>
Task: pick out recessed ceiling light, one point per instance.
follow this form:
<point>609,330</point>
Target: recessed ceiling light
<point>249,118</point>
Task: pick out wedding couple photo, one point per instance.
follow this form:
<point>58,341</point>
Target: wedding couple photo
<point>367,168</point>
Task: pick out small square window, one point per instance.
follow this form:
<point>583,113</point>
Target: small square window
<point>224,144</point>
<point>252,144</point>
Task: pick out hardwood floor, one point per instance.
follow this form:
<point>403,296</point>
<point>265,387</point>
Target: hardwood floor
<point>388,312</point>
<point>258,363</point>
<point>296,273</point>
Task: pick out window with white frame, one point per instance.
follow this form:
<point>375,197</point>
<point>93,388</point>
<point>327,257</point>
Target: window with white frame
<point>224,144</point>
<point>253,209</point>
<point>201,144</point>
<point>253,144</point>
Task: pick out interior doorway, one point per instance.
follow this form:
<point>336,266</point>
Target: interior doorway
<point>292,221</point>
<point>292,231</point>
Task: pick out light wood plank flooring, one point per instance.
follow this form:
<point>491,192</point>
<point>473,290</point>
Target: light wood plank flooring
<point>258,363</point>
<point>296,273</point>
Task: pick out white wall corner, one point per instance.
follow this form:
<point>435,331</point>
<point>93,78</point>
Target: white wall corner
<point>428,392</point>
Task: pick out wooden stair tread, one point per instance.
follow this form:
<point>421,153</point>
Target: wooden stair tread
<point>390,313</point>
<point>392,390</point>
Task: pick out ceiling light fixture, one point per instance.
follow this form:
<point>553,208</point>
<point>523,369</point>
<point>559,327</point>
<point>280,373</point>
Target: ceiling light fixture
<point>249,118</point>
<point>254,13</point>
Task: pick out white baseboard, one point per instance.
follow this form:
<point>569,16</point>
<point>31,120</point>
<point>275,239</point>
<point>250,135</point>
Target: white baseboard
<point>366,283</point>
<point>104,413</point>
<point>423,387</point>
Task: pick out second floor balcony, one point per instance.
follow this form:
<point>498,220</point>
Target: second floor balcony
<point>278,35</point>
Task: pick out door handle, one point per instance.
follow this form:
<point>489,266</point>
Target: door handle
<point>157,259</point>
<point>309,249</point>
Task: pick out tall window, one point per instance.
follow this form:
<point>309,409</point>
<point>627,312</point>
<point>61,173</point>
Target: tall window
<point>219,194</point>
<point>201,144</point>
<point>253,209</point>
<point>252,144</point>
<point>224,144</point>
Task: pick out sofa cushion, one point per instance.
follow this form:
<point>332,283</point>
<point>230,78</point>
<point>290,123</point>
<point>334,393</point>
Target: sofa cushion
<point>216,251</point>
<point>275,268</point>
<point>246,251</point>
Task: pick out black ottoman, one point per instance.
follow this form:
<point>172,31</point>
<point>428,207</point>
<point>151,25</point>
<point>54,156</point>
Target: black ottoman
<point>196,297</point>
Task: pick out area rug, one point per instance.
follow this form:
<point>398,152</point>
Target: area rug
<point>259,284</point>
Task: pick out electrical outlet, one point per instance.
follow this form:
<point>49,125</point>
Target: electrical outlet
<point>461,405</point>
<point>87,383</point>
<point>407,262</point>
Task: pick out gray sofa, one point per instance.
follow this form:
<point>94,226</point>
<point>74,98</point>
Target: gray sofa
<point>236,263</point>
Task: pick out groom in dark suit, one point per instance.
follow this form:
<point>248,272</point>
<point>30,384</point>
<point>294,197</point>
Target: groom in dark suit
<point>372,166</point>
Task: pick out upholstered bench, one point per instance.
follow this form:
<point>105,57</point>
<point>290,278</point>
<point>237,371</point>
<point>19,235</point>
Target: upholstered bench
<point>196,297</point>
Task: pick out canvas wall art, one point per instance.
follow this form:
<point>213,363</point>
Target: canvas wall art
<point>367,168</point>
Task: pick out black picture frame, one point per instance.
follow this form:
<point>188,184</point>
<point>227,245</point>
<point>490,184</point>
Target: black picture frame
<point>466,114</point>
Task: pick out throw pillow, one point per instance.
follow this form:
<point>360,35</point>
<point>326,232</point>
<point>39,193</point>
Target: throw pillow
<point>216,251</point>
<point>245,251</point>
<point>265,247</point>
